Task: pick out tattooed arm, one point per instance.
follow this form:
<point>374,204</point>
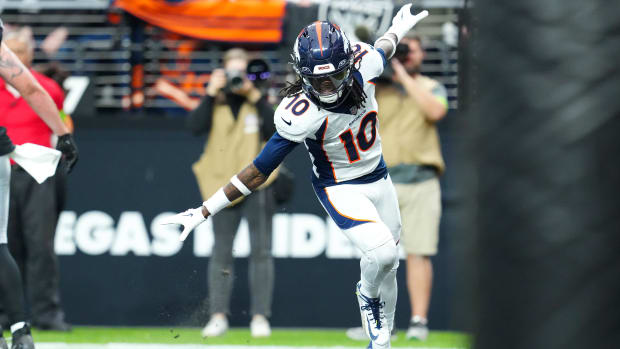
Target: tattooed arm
<point>253,175</point>
<point>242,184</point>
<point>249,179</point>
<point>250,176</point>
<point>17,75</point>
<point>386,44</point>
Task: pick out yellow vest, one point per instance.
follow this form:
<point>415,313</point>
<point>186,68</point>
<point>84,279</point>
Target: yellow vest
<point>231,146</point>
<point>406,136</point>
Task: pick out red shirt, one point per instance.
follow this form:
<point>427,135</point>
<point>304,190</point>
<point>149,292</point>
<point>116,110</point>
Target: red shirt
<point>22,124</point>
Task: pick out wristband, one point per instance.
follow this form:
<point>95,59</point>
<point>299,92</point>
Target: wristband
<point>385,37</point>
<point>217,202</point>
<point>236,182</point>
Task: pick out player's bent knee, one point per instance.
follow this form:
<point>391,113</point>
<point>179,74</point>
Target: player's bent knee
<point>387,255</point>
<point>377,243</point>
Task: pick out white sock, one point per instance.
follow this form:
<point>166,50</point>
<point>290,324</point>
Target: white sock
<point>419,319</point>
<point>17,326</point>
<point>370,284</point>
<point>389,293</point>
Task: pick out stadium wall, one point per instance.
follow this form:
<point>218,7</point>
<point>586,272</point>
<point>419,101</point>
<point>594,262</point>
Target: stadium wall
<point>120,267</point>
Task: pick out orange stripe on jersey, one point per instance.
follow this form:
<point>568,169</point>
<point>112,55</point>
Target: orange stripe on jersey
<point>370,82</point>
<point>317,26</point>
<point>344,215</point>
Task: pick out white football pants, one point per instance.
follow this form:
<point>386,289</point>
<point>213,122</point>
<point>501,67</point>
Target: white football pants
<point>369,216</point>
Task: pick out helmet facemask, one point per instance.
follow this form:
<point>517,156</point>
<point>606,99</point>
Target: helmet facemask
<point>328,88</point>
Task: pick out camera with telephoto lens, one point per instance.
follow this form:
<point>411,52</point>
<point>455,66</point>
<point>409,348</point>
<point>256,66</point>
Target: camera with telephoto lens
<point>234,79</point>
<point>401,52</point>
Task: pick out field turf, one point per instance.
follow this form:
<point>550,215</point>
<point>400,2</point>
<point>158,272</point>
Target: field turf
<point>237,337</point>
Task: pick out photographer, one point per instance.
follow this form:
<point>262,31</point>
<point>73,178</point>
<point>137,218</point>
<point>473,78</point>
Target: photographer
<point>237,119</point>
<point>411,108</point>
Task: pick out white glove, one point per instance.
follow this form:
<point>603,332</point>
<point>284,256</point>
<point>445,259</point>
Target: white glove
<point>189,219</point>
<point>404,21</point>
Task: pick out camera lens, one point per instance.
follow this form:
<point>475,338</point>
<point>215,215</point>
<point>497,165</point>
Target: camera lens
<point>236,82</point>
<point>234,79</point>
<point>401,52</point>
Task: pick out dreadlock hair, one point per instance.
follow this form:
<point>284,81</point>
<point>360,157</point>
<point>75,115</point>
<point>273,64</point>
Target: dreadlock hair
<point>291,89</point>
<point>356,91</point>
<point>357,94</point>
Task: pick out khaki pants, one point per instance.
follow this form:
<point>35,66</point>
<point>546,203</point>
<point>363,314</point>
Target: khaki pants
<point>420,210</point>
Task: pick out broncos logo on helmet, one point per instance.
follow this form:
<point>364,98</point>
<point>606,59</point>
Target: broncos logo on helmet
<point>323,59</point>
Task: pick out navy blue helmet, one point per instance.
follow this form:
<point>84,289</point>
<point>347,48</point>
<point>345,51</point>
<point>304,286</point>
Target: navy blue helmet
<point>323,59</point>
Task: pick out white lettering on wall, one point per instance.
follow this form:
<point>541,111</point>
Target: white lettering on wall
<point>241,245</point>
<point>295,235</point>
<point>203,239</point>
<point>94,232</point>
<point>280,245</point>
<point>63,242</point>
<point>131,236</point>
<point>308,236</point>
<point>165,237</point>
<point>76,85</point>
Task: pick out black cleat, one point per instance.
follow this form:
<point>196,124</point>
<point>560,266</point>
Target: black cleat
<point>22,339</point>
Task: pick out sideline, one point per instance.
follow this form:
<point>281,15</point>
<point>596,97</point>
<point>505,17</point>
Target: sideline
<point>191,346</point>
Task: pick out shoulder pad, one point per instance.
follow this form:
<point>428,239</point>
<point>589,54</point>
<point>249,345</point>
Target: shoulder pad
<point>370,61</point>
<point>296,118</point>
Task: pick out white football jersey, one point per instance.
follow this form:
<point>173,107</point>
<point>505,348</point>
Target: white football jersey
<point>342,146</point>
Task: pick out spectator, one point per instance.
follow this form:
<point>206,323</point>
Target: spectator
<point>237,119</point>
<point>33,211</point>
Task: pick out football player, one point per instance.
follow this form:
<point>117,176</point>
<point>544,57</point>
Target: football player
<point>332,110</point>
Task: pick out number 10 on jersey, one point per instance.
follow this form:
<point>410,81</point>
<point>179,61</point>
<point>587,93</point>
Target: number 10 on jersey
<point>363,144</point>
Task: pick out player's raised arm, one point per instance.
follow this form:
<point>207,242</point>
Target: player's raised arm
<point>401,24</point>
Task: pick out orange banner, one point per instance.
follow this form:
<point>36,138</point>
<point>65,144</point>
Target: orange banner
<point>221,20</point>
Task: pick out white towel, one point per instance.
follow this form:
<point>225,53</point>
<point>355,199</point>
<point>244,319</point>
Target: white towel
<point>39,161</point>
